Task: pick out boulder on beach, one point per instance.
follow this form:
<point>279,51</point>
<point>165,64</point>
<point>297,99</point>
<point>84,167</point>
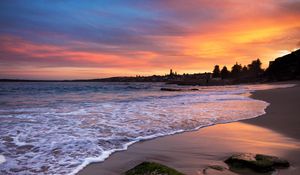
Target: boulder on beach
<point>217,170</point>
<point>152,168</point>
<point>256,162</point>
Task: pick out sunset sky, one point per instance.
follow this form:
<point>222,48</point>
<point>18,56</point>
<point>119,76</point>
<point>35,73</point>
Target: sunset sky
<point>75,39</point>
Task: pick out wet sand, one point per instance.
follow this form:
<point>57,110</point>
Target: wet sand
<point>275,133</point>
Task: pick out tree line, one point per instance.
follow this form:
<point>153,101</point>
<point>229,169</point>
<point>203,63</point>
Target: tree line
<point>252,71</point>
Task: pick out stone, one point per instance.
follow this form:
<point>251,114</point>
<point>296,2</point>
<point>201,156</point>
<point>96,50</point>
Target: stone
<point>256,162</point>
<point>177,89</point>
<point>217,170</point>
<point>170,89</point>
<point>152,168</point>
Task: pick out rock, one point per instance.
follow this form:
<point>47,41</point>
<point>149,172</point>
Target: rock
<point>170,89</point>
<point>256,162</point>
<point>194,89</point>
<point>217,170</point>
<point>217,167</point>
<point>175,89</point>
<point>152,168</point>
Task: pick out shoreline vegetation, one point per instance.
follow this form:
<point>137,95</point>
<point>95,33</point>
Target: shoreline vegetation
<point>281,69</point>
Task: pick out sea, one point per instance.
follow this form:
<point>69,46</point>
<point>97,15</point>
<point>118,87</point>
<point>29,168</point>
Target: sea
<point>61,127</point>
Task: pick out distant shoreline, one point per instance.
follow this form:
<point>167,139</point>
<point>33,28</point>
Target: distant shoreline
<point>182,83</point>
<point>281,69</point>
<point>21,80</point>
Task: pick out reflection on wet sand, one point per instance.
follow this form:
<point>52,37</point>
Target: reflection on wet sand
<point>190,152</point>
<point>251,137</point>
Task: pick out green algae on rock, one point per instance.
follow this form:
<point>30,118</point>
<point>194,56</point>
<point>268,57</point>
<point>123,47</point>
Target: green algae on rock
<point>152,168</point>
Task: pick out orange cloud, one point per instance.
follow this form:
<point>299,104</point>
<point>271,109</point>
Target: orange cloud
<point>188,36</point>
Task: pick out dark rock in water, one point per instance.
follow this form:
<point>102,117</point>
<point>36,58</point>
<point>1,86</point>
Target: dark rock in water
<point>194,89</point>
<point>256,162</point>
<point>170,89</point>
<point>152,168</point>
<point>174,89</point>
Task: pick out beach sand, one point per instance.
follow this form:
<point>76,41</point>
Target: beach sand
<point>275,133</point>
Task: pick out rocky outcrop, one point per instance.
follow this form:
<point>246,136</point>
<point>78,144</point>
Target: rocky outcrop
<point>256,162</point>
<point>152,168</point>
<point>285,68</point>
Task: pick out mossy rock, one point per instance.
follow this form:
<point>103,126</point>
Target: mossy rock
<point>256,162</point>
<point>152,168</point>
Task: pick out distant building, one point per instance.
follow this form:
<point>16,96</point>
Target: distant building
<point>171,72</point>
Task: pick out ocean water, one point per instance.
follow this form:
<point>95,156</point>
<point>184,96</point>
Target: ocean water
<point>59,128</point>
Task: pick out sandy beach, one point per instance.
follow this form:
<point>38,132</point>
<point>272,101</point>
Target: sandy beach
<point>275,133</point>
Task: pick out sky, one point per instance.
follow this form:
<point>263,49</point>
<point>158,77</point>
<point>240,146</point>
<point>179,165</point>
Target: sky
<point>82,39</point>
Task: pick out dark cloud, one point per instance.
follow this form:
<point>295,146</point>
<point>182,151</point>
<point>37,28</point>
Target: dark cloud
<point>291,6</point>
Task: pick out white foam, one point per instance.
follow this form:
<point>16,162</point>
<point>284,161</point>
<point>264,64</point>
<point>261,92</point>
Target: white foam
<point>105,155</point>
<point>2,159</point>
<point>18,142</point>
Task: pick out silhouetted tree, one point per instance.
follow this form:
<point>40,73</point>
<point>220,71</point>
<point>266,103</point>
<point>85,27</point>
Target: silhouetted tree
<point>224,73</point>
<point>236,70</point>
<point>216,72</point>
<point>244,69</point>
<point>255,68</point>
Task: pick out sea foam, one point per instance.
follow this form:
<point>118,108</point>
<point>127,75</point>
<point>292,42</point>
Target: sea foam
<point>2,159</point>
